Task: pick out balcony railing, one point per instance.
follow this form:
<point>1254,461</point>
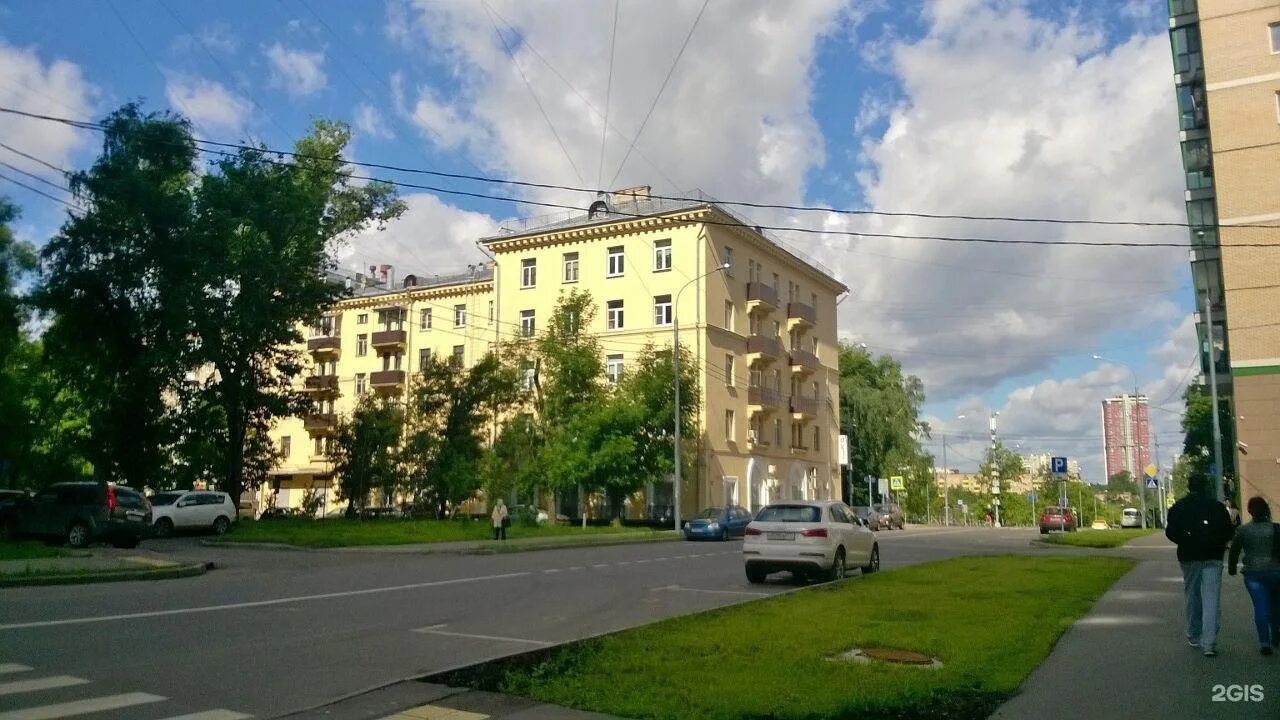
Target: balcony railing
<point>804,359</point>
<point>759,292</point>
<point>324,343</point>
<point>322,383</point>
<point>319,422</point>
<point>386,338</point>
<point>764,345</point>
<point>803,312</point>
<point>386,378</point>
<point>763,397</point>
<point>804,406</point>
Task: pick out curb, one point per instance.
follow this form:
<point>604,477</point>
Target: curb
<point>488,548</point>
<point>181,571</point>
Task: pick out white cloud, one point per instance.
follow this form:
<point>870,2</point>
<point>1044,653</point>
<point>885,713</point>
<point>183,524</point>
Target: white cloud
<point>369,121</point>
<point>217,36</point>
<point>297,72</point>
<point>209,104</point>
<point>444,123</point>
<point>56,87</point>
<point>432,237</point>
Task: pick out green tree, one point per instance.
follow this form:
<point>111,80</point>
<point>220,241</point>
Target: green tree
<point>569,372</point>
<point>1002,465</point>
<point>265,232</point>
<point>47,431</point>
<point>1121,483</point>
<point>1197,429</point>
<point>121,281</point>
<point>17,261</point>
<point>363,450</point>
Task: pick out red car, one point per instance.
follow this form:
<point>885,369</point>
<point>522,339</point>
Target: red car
<point>1057,518</point>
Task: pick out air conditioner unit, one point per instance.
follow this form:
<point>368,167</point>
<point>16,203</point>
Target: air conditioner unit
<point>753,436</point>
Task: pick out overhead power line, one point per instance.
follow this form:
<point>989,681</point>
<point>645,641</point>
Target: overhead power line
<point>38,191</point>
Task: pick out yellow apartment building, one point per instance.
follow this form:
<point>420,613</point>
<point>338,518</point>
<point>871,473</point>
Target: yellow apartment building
<point>761,331</point>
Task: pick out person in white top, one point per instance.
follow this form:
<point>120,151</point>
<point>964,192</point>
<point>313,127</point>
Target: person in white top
<point>500,520</point>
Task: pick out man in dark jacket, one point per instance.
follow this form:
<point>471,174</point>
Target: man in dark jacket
<point>1201,528</point>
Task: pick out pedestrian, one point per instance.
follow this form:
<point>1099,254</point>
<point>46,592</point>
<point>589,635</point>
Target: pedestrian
<point>1233,513</point>
<point>1200,527</point>
<point>1260,544</point>
<point>500,520</point>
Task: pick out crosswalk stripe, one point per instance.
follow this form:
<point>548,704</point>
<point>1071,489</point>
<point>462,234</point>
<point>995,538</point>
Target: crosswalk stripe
<point>211,715</point>
<point>6,668</point>
<point>45,683</point>
<point>81,707</point>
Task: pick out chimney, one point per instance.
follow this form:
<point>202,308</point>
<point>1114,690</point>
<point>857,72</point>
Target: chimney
<point>633,194</point>
<point>410,281</point>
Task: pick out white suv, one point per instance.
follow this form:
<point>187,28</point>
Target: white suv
<point>814,539</point>
<point>191,509</point>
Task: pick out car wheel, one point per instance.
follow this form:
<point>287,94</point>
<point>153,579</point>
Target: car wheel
<point>130,541</point>
<point>874,564</point>
<point>1044,531</point>
<point>756,575</point>
<point>838,569</point>
<point>724,534</point>
<point>78,535</point>
<point>221,525</point>
<point>163,528</point>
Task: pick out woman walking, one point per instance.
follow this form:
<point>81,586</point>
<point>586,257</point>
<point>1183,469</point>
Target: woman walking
<point>499,517</point>
<point>1257,538</point>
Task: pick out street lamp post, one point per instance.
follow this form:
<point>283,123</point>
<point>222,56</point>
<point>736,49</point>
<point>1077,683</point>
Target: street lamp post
<point>1133,445</point>
<point>675,373</point>
<point>995,471</point>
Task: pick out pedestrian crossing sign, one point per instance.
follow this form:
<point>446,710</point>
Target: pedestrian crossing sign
<point>1152,483</point>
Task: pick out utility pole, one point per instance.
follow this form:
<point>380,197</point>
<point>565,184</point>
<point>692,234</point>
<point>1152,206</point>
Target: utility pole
<point>946,484</point>
<point>995,470</point>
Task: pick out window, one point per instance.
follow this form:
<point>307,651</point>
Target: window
<point>662,310</point>
<point>571,267</point>
<point>755,324</point>
<point>362,345</point>
<point>792,290</point>
<point>616,264</point>
<point>813,301</point>
<point>459,316</point>
<point>1273,30</point>
<point>730,315</point>
<point>777,433</point>
<point>325,328</point>
<point>729,430</point>
<point>755,429</point>
<point>661,255</point>
<point>526,323</point>
<point>361,386</point>
<point>728,369</point>
<point>391,362</point>
<point>613,315</point>
<point>776,281</point>
<point>753,272</point>
<point>528,272</point>
<point>728,260</point>
<point>424,319</point>
<point>286,445</point>
<point>529,378</point>
<point>362,319</point>
<point>424,358</point>
<point>490,312</point>
<point>817,438</point>
<point>317,447</point>
<point>457,356</point>
<point>613,369</point>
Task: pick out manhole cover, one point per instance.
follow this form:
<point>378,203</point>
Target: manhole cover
<point>910,658</point>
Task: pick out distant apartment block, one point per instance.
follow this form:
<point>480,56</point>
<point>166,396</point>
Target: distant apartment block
<point>1126,431</point>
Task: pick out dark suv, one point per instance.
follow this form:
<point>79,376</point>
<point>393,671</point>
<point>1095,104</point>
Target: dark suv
<point>85,512</point>
<point>10,502</point>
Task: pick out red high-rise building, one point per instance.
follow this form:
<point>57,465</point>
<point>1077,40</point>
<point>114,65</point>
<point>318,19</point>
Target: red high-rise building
<point>1126,431</point>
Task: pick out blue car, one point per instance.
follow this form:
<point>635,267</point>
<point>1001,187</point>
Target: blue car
<point>718,523</point>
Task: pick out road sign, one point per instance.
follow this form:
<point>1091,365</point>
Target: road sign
<point>843,448</point>
<point>896,483</point>
<point>995,487</point>
<point>1058,465</point>
<point>883,487</point>
<point>1151,471</point>
<point>1152,483</point>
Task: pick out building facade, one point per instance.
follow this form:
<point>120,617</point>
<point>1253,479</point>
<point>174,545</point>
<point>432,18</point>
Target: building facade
<point>1227,77</point>
<point>1126,432</point>
<point>758,321</point>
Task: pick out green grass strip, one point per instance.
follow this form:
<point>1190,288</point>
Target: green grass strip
<point>1096,538</point>
<point>346,533</point>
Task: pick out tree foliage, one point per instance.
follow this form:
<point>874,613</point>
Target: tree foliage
<point>1197,429</point>
<point>363,450</point>
<point>17,260</point>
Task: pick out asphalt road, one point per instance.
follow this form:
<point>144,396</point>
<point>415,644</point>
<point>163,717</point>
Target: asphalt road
<point>273,632</point>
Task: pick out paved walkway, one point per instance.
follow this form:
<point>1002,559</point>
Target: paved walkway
<point>1127,658</point>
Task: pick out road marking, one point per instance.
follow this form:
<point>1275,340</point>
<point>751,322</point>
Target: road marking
<point>641,562</point>
<point>720,592</point>
<point>577,567</point>
<point>6,668</point>
<point>260,603</point>
<point>679,557</point>
<point>552,570</point>
<point>218,714</point>
<point>660,559</point>
<point>624,562</point>
<point>434,631</point>
<point>600,565</point>
<point>45,683</point>
<point>81,707</point>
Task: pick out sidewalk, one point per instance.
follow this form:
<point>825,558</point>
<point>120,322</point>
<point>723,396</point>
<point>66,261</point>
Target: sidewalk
<point>440,702</point>
<point>1127,657</point>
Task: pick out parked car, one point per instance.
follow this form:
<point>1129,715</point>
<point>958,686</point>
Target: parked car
<point>819,539</point>
<point>1130,518</point>
<point>718,523</point>
<point>10,502</point>
<point>1057,518</point>
<point>1099,525</point>
<point>867,516</point>
<point>191,510</point>
<point>889,516</point>
<point>84,512</point>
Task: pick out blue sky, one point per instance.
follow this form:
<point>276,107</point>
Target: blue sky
<point>960,106</point>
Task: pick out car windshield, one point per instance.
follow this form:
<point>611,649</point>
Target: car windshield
<point>790,513</point>
<point>164,498</point>
<point>710,513</point>
<point>862,511</point>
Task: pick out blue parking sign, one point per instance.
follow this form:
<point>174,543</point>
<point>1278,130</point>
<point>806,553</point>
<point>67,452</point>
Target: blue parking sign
<point>1059,465</point>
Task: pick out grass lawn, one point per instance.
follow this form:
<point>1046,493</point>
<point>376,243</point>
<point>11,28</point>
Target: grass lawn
<point>28,551</point>
<point>342,532</point>
<point>991,620</point>
<point>1096,538</point>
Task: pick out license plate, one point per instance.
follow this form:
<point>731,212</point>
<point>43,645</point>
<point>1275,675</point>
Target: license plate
<point>133,514</point>
<point>781,535</point>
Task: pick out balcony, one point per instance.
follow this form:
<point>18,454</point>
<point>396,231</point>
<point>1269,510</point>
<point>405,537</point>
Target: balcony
<point>325,345</point>
<point>321,383</point>
<point>320,423</point>
<point>761,399</point>
<point>803,361</point>
<point>756,439</point>
<point>804,408</point>
<point>763,347</point>
<point>801,314</point>
<point>387,379</point>
<point>760,295</point>
<point>389,339</point>
<point>799,449</point>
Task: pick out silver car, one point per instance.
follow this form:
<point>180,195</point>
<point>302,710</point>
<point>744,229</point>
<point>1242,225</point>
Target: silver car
<point>817,539</point>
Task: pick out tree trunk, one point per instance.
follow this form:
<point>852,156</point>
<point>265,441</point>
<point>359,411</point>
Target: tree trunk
<point>233,483</point>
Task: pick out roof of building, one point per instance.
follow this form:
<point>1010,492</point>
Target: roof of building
<point>363,286</point>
